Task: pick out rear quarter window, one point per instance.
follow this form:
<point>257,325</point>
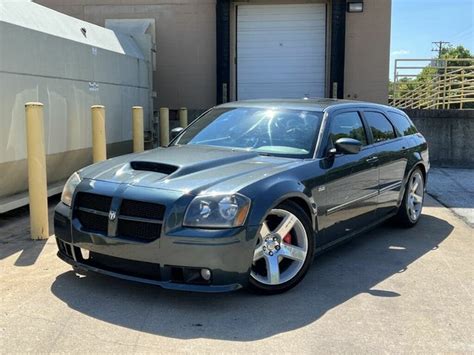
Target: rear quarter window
<point>402,124</point>
<point>382,129</point>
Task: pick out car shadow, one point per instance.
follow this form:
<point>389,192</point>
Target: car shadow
<point>336,276</point>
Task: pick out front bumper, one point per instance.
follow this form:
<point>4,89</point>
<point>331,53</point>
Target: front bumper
<point>82,267</point>
<point>172,261</point>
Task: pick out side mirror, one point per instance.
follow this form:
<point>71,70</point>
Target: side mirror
<point>175,132</point>
<point>348,146</point>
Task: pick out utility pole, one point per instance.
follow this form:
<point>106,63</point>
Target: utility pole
<point>439,47</point>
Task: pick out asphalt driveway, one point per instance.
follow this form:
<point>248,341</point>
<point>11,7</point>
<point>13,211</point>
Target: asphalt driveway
<point>391,290</point>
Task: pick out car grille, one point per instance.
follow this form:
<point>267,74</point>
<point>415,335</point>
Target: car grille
<point>92,210</point>
<point>94,201</point>
<point>142,209</point>
<point>93,222</point>
<point>140,218</point>
<point>136,220</point>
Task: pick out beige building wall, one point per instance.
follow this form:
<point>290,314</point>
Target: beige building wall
<point>185,43</point>
<point>367,53</point>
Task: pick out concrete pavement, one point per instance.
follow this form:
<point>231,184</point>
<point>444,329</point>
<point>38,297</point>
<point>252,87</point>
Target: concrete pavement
<point>454,188</point>
<point>391,290</point>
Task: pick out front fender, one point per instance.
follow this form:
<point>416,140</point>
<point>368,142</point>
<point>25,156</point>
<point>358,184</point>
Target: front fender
<point>272,194</point>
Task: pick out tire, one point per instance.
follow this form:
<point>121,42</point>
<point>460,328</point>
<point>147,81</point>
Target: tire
<point>409,212</point>
<point>288,256</point>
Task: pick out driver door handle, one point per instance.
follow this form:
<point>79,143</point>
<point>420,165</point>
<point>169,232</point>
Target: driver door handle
<point>372,159</point>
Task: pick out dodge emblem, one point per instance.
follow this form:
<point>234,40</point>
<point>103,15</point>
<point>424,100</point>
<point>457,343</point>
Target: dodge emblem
<point>112,215</point>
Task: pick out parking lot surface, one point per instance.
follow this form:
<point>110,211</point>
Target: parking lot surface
<point>390,290</point>
<point>454,188</point>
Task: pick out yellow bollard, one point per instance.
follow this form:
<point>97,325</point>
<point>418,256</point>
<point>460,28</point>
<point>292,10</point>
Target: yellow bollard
<point>183,117</point>
<point>99,148</point>
<point>164,126</point>
<point>37,184</point>
<point>138,140</point>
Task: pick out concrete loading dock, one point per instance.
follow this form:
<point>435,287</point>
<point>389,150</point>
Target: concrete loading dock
<point>198,41</point>
<point>68,65</point>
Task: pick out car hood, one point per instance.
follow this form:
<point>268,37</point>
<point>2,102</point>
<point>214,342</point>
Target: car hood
<point>189,168</point>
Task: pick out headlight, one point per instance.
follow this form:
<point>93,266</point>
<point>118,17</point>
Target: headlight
<point>217,211</point>
<point>69,188</point>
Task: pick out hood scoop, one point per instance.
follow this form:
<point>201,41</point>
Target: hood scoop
<point>154,167</point>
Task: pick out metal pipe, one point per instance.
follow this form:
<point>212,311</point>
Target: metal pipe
<point>164,126</point>
<point>37,183</point>
<point>183,117</point>
<point>137,121</point>
<point>99,147</point>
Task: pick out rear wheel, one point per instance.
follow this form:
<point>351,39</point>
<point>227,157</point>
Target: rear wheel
<point>410,210</point>
<point>284,250</point>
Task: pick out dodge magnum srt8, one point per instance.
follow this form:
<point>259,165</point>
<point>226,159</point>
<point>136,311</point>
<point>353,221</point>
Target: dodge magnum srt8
<point>246,195</point>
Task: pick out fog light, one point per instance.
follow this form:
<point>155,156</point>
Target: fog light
<point>206,274</point>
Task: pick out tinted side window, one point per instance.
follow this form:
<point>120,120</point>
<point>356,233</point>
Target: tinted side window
<point>402,123</point>
<point>380,126</point>
<point>347,125</point>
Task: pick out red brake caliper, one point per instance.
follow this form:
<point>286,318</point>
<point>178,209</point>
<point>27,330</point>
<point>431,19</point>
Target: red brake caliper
<point>287,238</point>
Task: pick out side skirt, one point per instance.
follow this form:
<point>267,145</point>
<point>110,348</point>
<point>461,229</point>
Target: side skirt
<point>350,236</point>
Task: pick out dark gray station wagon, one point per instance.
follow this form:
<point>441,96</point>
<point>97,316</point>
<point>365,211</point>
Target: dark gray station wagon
<point>246,195</point>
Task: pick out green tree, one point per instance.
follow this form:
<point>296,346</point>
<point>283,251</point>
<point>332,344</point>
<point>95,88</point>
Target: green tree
<point>450,52</point>
<point>458,52</point>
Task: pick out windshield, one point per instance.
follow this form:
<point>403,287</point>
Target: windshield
<point>279,132</point>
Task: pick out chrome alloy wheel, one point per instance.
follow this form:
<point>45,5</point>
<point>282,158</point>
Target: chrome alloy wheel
<point>415,196</point>
<point>281,249</point>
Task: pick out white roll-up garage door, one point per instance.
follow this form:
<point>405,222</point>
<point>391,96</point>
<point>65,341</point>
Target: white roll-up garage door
<point>281,51</point>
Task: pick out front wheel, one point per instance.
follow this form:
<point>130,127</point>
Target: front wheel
<point>410,210</point>
<point>284,250</point>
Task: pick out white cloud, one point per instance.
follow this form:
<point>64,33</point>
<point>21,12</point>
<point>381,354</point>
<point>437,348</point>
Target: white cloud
<point>401,52</point>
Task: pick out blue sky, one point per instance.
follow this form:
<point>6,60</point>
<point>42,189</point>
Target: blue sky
<point>417,23</point>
